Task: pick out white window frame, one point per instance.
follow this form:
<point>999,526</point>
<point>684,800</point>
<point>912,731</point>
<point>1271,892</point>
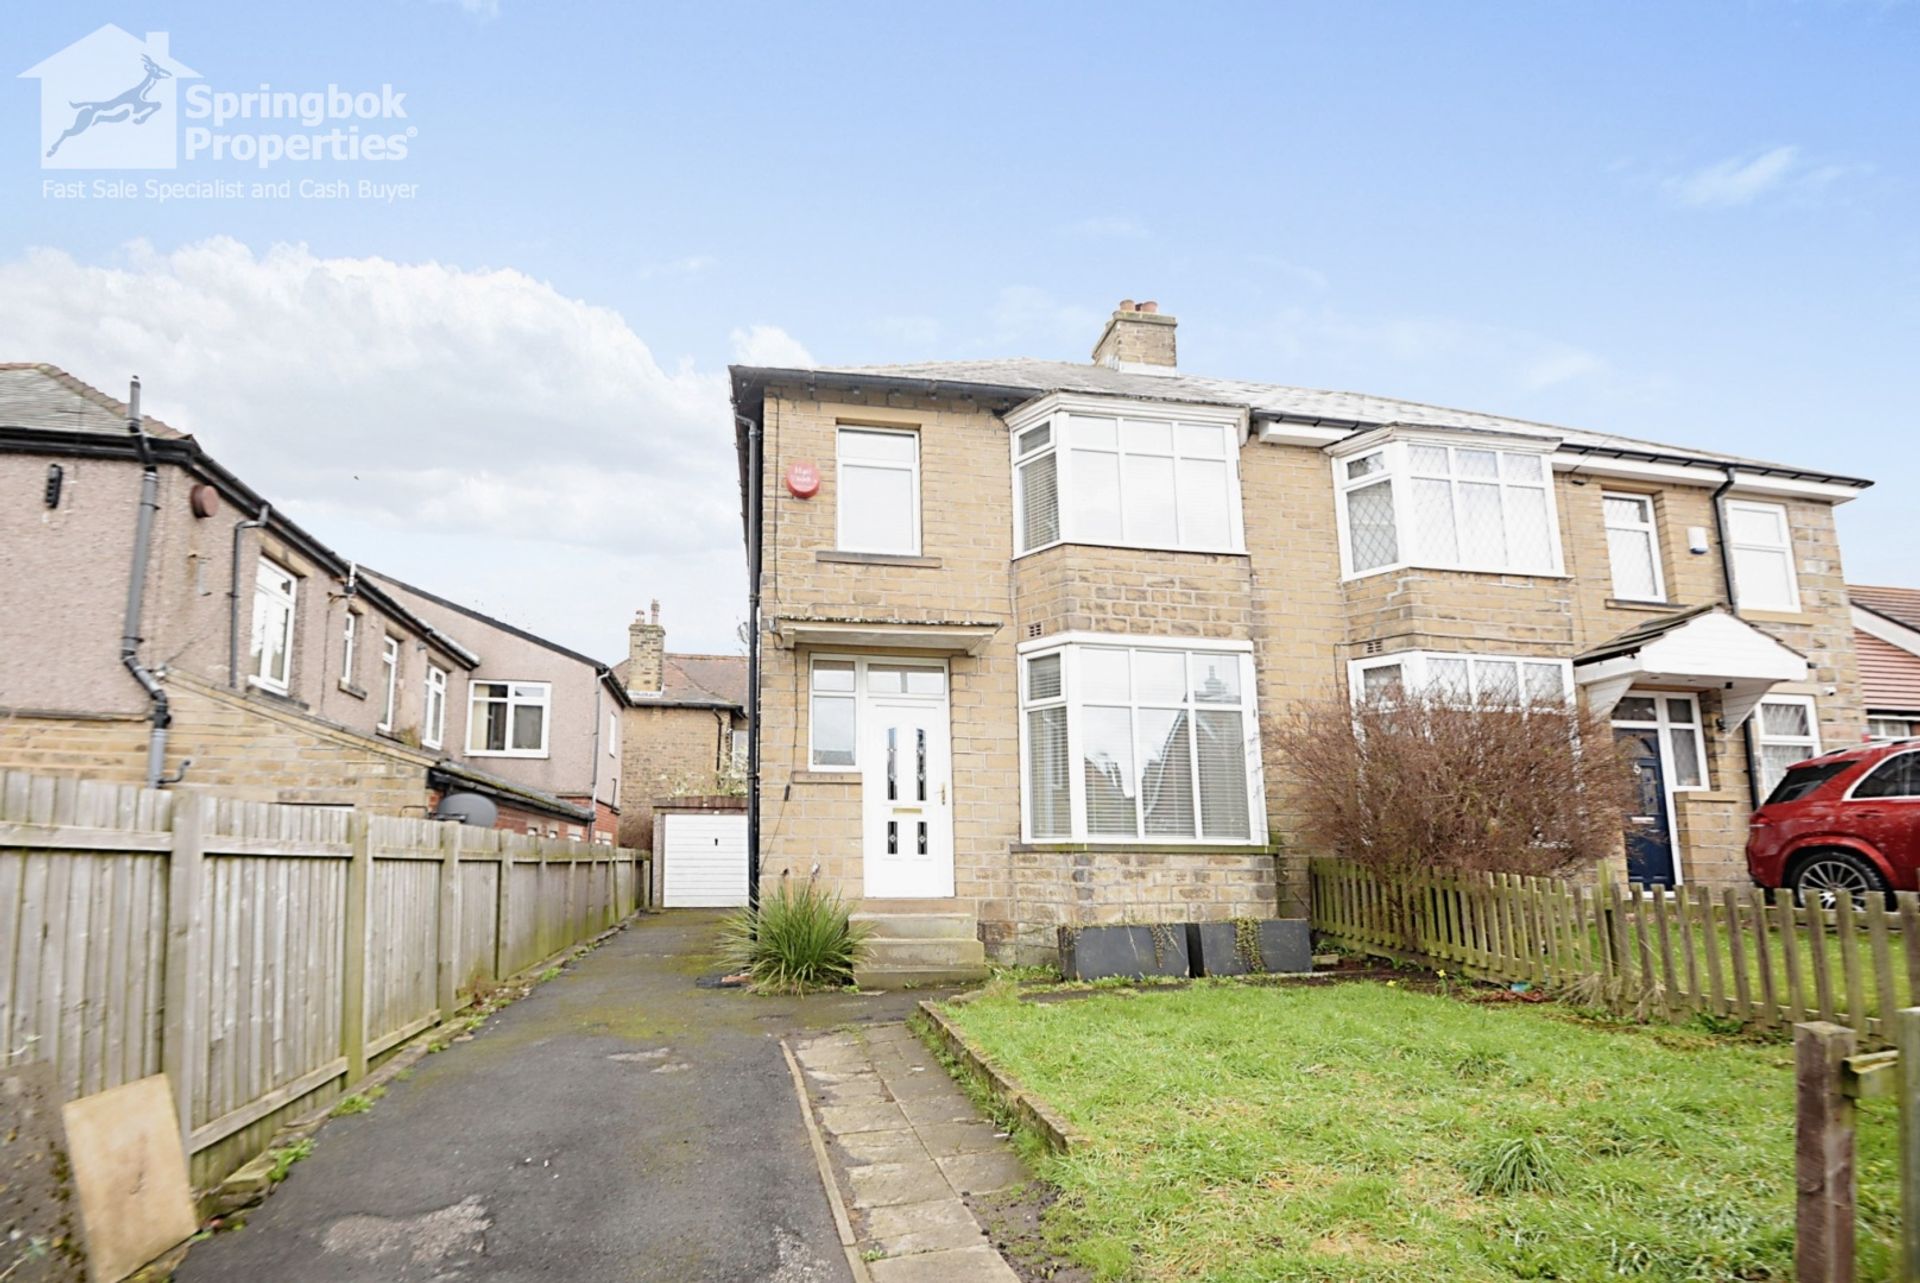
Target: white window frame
<point>1057,411</point>
<point>1664,724</point>
<point>1762,740</point>
<point>349,649</point>
<point>433,718</point>
<point>841,465</point>
<point>1736,546</point>
<point>1650,528</point>
<point>738,745</point>
<point>860,696</point>
<point>1393,448</point>
<point>1880,736</point>
<point>613,732</point>
<point>285,599</point>
<point>1416,670</point>
<point>1070,646</point>
<point>390,661</point>
<point>513,700</point>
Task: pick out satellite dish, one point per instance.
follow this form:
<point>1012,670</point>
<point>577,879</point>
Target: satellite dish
<point>468,808</point>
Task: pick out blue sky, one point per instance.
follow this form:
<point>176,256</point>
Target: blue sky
<point>1686,222</point>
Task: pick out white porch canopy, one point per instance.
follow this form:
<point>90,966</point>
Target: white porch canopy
<point>947,638</point>
<point>1702,649</point>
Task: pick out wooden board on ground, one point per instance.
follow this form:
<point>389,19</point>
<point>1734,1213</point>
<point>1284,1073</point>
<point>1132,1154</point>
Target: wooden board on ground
<point>130,1173</point>
<point>39,1237</point>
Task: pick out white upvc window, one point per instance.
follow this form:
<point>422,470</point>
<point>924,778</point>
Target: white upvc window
<point>508,719</point>
<point>433,729</point>
<point>349,644</point>
<point>1438,504</point>
<point>1633,547</point>
<point>739,750</point>
<point>1136,740</point>
<point>837,686</point>
<point>1888,730</point>
<point>1677,718</point>
<point>1519,680</point>
<point>389,682</point>
<point>613,733</point>
<point>878,476</point>
<point>271,656</point>
<point>1789,732</point>
<point>1127,480</point>
<point>1761,541</point>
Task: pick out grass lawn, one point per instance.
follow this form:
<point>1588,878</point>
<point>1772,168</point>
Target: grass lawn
<point>1363,1131</point>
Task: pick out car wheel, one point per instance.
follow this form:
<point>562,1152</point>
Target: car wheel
<point>1827,875</point>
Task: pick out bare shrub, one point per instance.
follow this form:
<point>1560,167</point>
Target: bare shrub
<point>1405,785</point>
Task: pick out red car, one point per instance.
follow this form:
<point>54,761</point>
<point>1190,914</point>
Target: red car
<point>1847,821</point>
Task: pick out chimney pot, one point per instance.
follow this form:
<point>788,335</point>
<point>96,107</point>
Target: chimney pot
<point>653,611</point>
<point>1126,305</point>
<point>1139,338</point>
<point>1149,307</point>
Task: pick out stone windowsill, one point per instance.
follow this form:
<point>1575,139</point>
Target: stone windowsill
<point>1147,848</point>
<point>1650,607</point>
<point>825,777</point>
<point>352,690</point>
<point>1707,795</point>
<point>876,559</point>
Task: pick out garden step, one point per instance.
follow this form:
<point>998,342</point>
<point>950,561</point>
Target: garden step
<point>910,951</point>
<point>917,977</point>
<point>919,926</point>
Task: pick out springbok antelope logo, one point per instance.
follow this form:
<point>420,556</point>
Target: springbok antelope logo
<point>133,105</point>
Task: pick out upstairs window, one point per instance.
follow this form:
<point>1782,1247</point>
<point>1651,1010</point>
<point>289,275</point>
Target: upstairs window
<point>349,642</point>
<point>508,719</point>
<point>1447,507</point>
<point>1762,546</point>
<point>1141,743</point>
<point>390,682</point>
<point>433,729</point>
<point>271,657</point>
<point>879,491</point>
<point>1633,547</point>
<point>1137,483</point>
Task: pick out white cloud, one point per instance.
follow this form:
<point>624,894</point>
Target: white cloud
<point>474,431</point>
<point>769,345</point>
<point>1738,181</point>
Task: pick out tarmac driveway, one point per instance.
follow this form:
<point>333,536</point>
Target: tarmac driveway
<point>619,1123</point>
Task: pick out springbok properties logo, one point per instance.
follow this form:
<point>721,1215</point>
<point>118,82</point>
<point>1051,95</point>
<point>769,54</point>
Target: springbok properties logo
<point>111,100</point>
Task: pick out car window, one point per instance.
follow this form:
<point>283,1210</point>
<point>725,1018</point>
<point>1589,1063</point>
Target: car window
<point>1898,776</point>
<point>1802,780</point>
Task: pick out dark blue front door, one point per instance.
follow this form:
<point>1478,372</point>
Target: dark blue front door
<point>1649,828</point>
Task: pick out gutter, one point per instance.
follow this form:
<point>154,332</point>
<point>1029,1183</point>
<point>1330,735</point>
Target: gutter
<point>158,711</point>
<point>754,498</point>
<point>1733,607</point>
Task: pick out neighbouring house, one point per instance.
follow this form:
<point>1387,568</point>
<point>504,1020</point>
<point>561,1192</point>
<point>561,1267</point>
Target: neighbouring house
<point>531,720</point>
<point>167,624</point>
<point>1019,623</point>
<point>685,726</point>
<point>1886,632</point>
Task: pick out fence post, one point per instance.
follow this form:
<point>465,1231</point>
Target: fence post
<point>353,1002</point>
<point>503,928</point>
<point>183,1037</point>
<point>447,978</point>
<point>1823,1155</point>
<point>1906,1040</point>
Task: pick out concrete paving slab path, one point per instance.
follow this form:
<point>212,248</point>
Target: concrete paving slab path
<point>617,1124</point>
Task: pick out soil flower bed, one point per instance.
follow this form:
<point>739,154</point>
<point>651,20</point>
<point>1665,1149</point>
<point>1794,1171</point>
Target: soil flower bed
<point>1367,1132</point>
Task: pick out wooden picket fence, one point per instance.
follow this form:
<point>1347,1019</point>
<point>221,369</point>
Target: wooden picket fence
<point>262,956</point>
<point>1829,1076</point>
<point>1735,953</point>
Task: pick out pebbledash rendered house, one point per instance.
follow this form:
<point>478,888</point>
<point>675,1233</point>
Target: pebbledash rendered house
<point>1019,623</point>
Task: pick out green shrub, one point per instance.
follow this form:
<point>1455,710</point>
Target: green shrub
<point>801,939</point>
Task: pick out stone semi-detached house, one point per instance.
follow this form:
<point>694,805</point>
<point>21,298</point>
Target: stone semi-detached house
<point>1021,623</point>
<point>686,727</point>
<point>277,670</point>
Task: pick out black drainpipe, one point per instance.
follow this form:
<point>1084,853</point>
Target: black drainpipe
<point>753,498</point>
<point>158,712</point>
<point>233,596</point>
<point>1726,574</point>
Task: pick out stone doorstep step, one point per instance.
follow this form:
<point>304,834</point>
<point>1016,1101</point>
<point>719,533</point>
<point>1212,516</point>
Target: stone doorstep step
<point>886,951</point>
<point>920,926</point>
<point>888,978</point>
<point>881,905</point>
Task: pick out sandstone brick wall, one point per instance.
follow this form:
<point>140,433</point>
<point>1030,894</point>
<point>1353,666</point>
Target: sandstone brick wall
<point>1087,886</point>
<point>665,751</point>
<point>1080,588</point>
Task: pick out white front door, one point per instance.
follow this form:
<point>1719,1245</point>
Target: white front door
<point>907,781</point>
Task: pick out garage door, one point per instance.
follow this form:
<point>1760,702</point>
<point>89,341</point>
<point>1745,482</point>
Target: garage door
<point>706,861</point>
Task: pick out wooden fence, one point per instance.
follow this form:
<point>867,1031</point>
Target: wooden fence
<point>262,956</point>
<point>1829,1076</point>
<point>1733,953</point>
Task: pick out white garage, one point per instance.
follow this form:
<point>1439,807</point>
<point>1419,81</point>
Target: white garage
<point>703,859</point>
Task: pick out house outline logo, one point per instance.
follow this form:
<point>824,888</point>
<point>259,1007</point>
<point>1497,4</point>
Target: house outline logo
<point>111,100</point>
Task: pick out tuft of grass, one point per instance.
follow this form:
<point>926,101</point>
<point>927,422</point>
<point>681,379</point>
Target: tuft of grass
<point>551,973</point>
<point>802,939</point>
<point>285,1157</point>
<point>1516,1165</point>
<point>358,1103</point>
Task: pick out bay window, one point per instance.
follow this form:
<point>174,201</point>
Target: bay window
<point>1140,742</point>
<point>1130,480</point>
<point>1502,679</point>
<point>1447,506</point>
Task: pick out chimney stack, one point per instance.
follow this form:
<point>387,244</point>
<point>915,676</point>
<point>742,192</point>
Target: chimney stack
<point>646,651</point>
<point>1138,338</point>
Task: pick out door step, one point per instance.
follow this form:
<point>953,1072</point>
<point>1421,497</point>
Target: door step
<point>919,949</point>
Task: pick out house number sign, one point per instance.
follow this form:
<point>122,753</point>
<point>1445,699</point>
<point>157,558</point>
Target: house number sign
<point>803,479</point>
